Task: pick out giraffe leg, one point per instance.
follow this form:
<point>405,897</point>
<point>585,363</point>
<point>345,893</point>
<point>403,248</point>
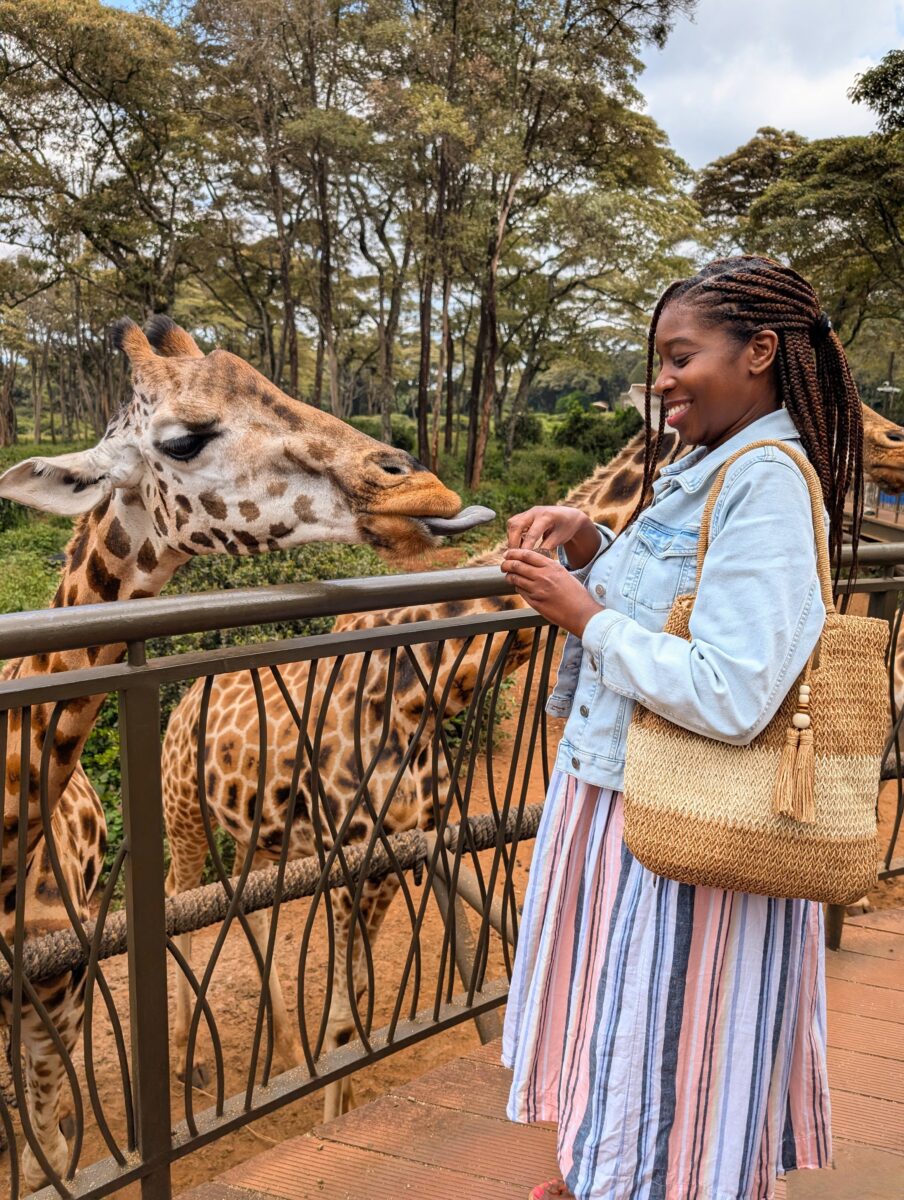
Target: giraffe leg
<point>341,1029</point>
<point>186,870</point>
<point>45,1074</point>
<point>288,1043</point>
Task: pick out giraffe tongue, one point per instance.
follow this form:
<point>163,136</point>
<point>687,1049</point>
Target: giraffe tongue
<point>475,514</point>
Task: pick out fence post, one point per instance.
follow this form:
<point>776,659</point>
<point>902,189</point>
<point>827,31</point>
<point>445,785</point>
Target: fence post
<point>146,934</point>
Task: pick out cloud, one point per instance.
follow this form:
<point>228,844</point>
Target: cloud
<point>738,66</point>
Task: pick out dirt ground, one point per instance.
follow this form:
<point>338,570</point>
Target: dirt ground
<point>234,994</point>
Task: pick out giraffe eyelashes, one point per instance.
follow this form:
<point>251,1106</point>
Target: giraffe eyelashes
<point>186,447</point>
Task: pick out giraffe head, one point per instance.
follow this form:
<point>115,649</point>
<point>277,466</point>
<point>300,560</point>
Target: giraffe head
<point>883,451</point>
<point>222,460</point>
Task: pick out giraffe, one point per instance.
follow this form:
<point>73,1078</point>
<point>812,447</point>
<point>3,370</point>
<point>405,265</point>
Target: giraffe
<point>207,457</point>
<point>609,496</point>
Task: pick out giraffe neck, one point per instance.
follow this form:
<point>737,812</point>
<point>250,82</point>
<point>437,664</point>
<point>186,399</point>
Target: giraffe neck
<point>608,496</point>
<point>116,553</point>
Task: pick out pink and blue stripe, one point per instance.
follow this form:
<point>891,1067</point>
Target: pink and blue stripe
<point>675,1034</point>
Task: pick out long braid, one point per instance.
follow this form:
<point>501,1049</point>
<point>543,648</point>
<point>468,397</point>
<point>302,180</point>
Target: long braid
<point>651,448</point>
<point>749,293</point>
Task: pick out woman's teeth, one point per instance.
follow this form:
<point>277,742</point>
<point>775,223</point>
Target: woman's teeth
<point>675,411</point>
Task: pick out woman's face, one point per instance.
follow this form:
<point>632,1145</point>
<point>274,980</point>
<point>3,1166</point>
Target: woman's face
<point>710,385</point>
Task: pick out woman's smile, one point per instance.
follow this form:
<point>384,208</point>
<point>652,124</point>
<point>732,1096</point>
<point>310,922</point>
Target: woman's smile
<point>675,410</point>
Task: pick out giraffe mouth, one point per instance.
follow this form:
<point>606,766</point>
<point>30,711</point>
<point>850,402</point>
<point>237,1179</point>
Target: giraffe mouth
<point>468,518</point>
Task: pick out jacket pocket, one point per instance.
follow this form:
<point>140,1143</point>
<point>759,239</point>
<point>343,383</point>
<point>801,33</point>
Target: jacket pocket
<point>663,564</point>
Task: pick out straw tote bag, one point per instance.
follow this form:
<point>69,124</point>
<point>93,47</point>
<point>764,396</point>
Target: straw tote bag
<point>792,814</point>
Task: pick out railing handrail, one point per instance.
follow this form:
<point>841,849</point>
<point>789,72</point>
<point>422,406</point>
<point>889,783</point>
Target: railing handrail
<point>50,629</point>
<point>69,628</point>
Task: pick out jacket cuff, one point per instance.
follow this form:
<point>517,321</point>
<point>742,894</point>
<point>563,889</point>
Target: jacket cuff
<point>597,632</point>
<point>581,573</point>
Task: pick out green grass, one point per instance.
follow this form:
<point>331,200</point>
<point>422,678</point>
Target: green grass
<point>30,556</point>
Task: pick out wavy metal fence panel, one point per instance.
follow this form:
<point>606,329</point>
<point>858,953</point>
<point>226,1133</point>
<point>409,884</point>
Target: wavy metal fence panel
<point>354,770</point>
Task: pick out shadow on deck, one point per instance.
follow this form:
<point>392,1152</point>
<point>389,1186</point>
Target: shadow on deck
<point>445,1136</point>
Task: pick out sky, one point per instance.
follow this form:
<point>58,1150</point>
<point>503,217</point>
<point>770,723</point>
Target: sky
<point>740,64</point>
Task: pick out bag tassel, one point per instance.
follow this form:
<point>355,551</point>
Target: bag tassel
<point>783,796</point>
<point>804,770</point>
<point>793,795</point>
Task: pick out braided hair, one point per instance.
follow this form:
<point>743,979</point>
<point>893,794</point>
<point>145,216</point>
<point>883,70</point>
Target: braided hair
<point>749,293</point>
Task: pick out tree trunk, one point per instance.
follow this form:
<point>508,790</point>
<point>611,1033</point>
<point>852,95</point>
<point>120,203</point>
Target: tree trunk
<point>492,336</point>
<point>440,374</point>
<point>519,404</point>
<point>327,344</point>
<point>474,396</point>
<point>8,402</point>
<point>450,387</point>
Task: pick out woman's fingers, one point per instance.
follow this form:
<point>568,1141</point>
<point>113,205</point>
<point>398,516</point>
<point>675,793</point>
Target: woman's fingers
<point>524,555</point>
<point>517,526</point>
<point>531,529</point>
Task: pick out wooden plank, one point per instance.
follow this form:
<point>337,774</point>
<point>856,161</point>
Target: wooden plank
<point>863,1000</point>
<point>861,1173</point>
<point>467,1085</point>
<point>866,1074</point>
<point>879,943</point>
<point>308,1168</point>
<point>863,968</point>
<point>442,1137</point>
<point>866,1035</point>
<point>868,1121</point>
<point>491,1052</point>
<point>891,920</point>
<point>217,1190</point>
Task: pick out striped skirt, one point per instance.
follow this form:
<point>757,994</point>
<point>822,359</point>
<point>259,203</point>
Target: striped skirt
<point>675,1034</point>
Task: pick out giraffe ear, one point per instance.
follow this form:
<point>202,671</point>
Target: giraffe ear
<point>67,485</point>
<point>170,339</point>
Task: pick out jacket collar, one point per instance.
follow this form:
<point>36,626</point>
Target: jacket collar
<point>698,467</point>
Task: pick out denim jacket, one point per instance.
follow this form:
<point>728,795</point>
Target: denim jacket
<point>756,619</point>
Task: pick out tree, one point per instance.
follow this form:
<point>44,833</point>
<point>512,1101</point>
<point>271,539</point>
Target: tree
<point>727,187</point>
<point>94,148</point>
<point>837,214</point>
<point>882,89</point>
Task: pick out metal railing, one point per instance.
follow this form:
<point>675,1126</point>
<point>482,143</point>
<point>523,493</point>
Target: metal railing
<point>366,766</point>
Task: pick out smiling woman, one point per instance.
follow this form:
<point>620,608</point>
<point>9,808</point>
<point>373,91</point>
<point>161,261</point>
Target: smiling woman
<point>640,1006</point>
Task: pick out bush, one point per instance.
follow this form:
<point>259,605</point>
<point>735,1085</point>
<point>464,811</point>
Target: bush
<point>528,431</point>
<point>31,552</point>
<point>404,431</point>
<point>597,433</point>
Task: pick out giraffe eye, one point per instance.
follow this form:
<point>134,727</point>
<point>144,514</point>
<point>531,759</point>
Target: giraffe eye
<point>186,447</point>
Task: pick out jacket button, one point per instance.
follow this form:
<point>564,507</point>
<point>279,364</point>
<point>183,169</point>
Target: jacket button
<point>575,762</point>
<point>600,590</point>
<point>585,711</point>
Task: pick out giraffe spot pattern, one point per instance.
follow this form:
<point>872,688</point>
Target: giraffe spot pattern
<point>117,540</point>
<point>304,510</point>
<point>213,504</point>
<point>147,557</point>
<point>100,580</point>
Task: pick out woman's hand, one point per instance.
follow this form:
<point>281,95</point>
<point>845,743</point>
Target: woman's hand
<point>548,526</point>
<point>548,587</point>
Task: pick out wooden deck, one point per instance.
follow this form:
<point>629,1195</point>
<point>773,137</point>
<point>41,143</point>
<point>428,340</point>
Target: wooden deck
<point>445,1137</point>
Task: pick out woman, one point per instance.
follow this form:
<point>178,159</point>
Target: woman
<point>677,1034</point>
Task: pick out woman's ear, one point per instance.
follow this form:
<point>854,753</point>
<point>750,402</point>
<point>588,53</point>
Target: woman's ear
<point>761,350</point>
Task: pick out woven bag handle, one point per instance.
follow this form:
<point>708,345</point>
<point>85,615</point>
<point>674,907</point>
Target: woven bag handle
<point>822,549</point>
